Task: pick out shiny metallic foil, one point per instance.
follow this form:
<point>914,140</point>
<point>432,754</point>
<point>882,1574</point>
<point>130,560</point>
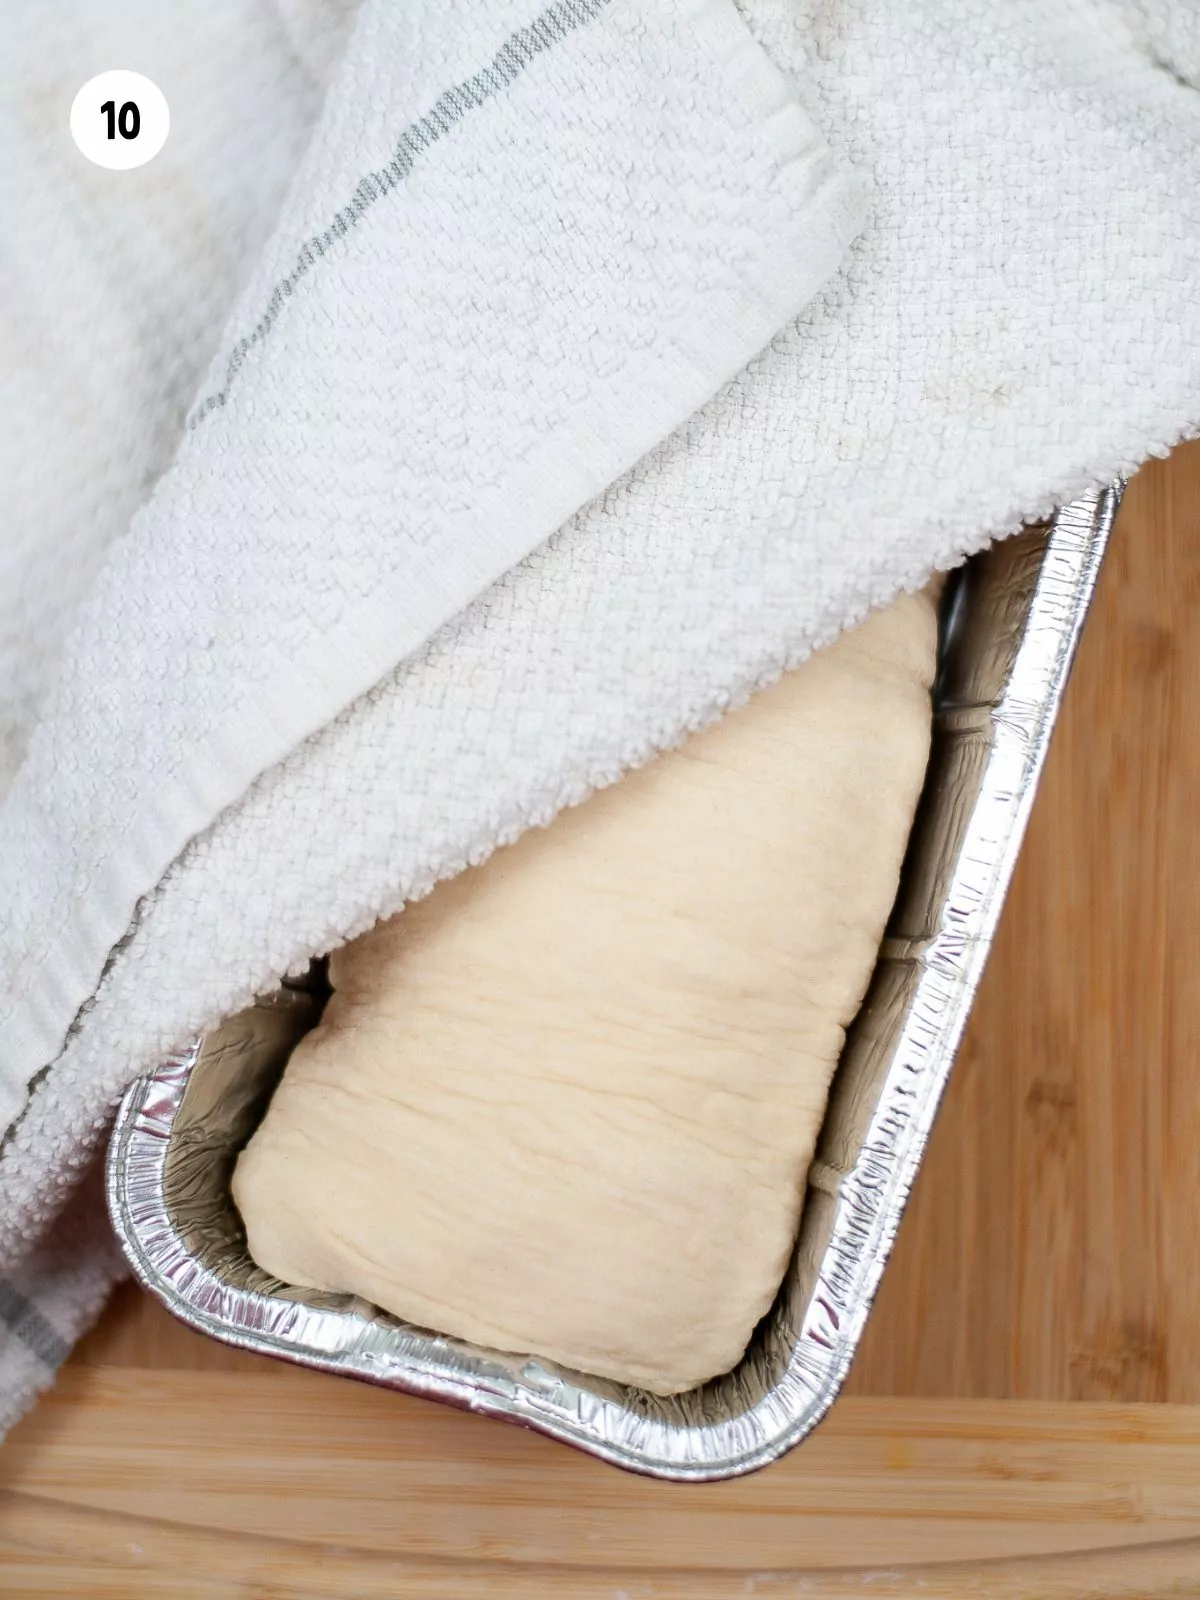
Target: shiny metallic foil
<point>1011,621</point>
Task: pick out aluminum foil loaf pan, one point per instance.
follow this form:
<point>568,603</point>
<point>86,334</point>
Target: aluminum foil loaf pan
<point>1010,624</point>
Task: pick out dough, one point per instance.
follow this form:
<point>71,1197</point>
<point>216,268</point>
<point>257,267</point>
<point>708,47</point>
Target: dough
<point>567,1104</point>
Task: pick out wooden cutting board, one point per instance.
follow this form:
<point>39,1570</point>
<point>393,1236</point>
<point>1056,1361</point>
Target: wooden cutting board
<point>1024,1416</point>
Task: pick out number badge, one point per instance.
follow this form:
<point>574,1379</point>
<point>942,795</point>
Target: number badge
<point>120,120</point>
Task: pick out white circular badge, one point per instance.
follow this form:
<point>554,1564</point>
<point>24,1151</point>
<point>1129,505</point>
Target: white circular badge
<point>120,120</point>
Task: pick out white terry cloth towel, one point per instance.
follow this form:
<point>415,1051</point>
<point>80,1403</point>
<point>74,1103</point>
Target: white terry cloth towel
<point>527,242</point>
<point>1020,318</point>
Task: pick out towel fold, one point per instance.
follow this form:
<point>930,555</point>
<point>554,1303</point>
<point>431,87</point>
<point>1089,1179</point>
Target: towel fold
<point>500,279</point>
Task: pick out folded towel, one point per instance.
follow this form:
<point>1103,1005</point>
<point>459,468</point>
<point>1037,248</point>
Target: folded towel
<point>1020,318</point>
<point>527,243</point>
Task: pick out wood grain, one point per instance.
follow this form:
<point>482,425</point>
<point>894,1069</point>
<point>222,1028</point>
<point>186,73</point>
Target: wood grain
<point>997,1438</point>
<point>305,1477</point>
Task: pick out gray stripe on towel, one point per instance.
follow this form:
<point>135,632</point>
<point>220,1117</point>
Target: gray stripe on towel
<point>514,55</point>
<point>30,1326</point>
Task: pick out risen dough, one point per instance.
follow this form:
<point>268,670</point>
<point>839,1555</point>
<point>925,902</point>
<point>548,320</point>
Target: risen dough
<point>566,1105</point>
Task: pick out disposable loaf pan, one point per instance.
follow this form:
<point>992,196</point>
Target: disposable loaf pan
<point>1010,625</point>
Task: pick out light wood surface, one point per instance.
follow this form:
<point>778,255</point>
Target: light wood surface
<point>310,1485</point>
<point>1024,1417</point>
